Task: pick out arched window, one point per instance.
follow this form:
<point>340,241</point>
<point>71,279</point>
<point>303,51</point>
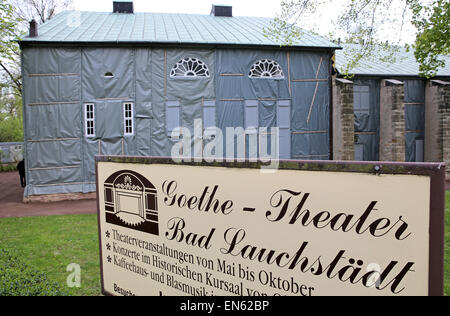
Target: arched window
<point>190,68</point>
<point>266,69</point>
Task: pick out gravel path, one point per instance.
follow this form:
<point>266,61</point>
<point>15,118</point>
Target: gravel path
<point>11,195</point>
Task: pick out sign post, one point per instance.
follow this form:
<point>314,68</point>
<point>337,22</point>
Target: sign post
<point>308,229</point>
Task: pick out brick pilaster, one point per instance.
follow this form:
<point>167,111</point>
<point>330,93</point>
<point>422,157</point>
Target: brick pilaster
<point>437,123</point>
<point>392,121</point>
<point>343,120</point>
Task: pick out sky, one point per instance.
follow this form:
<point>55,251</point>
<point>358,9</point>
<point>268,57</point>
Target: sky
<point>263,8</point>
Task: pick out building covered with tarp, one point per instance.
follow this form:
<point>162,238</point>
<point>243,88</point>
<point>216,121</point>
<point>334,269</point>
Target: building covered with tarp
<point>367,76</point>
<point>120,84</point>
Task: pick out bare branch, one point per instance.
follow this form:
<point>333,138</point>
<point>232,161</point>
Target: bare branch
<point>12,77</point>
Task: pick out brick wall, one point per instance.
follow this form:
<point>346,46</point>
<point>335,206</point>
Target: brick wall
<point>343,120</point>
<point>392,121</point>
<point>445,112</point>
<point>437,123</point>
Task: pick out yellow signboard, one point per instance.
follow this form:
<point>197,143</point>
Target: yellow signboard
<point>174,229</point>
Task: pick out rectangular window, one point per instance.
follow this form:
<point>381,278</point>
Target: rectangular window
<point>251,114</point>
<point>172,116</point>
<point>420,150</point>
<point>89,118</point>
<point>251,122</point>
<point>128,119</point>
<point>362,99</point>
<point>284,124</point>
<point>209,114</point>
<point>359,152</point>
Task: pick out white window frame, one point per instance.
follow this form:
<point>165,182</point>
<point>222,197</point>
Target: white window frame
<point>182,69</point>
<point>359,106</point>
<point>359,152</point>
<point>420,152</point>
<point>260,70</point>
<point>88,119</point>
<point>128,116</point>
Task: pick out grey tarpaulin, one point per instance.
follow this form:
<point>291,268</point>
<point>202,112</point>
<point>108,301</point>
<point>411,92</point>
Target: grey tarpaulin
<point>415,120</point>
<point>305,96</point>
<point>59,83</point>
<point>367,118</point>
<point>310,106</point>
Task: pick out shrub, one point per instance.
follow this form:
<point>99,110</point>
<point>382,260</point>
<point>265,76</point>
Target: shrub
<point>18,279</point>
<point>11,130</point>
<point>8,168</point>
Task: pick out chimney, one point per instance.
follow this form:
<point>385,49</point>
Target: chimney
<point>222,10</point>
<point>33,29</point>
<point>123,7</point>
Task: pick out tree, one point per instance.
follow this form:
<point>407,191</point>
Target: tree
<point>375,25</point>
<point>14,18</point>
<point>38,10</point>
<point>11,129</point>
<point>433,39</point>
<point>9,50</point>
<point>11,123</point>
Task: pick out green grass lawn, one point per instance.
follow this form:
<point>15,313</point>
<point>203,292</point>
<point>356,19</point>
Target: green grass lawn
<point>50,244</point>
<point>447,245</point>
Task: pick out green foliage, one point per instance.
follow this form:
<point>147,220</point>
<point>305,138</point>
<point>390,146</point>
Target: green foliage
<point>284,28</point>
<point>9,49</point>
<point>8,31</point>
<point>433,39</point>
<point>11,121</point>
<point>8,168</point>
<point>11,129</point>
<point>447,246</point>
<point>374,25</point>
<point>18,279</point>
<point>14,18</point>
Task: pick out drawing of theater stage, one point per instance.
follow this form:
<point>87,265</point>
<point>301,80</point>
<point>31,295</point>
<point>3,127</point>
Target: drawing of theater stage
<point>131,201</point>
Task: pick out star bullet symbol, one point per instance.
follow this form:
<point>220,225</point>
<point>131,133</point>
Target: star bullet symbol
<point>108,246</point>
<point>109,259</point>
<point>108,234</point>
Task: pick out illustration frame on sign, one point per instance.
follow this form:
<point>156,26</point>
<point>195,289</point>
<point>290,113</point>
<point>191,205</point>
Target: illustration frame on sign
<point>129,199</point>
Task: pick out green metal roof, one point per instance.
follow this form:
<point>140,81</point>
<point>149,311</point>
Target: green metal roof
<point>103,27</point>
<point>405,63</point>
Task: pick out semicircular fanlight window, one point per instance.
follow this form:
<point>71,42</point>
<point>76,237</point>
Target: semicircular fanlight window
<point>266,69</point>
<point>190,68</point>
